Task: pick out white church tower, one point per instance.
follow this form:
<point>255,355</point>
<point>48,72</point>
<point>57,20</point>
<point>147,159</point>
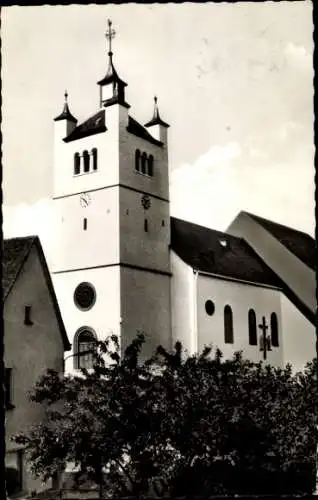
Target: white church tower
<point>111,193</point>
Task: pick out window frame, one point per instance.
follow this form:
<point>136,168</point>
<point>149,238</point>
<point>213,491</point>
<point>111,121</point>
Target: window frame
<point>77,357</point>
<point>137,160</point>
<point>274,332</point>
<point>228,325</point>
<point>252,328</point>
<point>86,162</point>
<point>77,164</point>
<point>94,156</point>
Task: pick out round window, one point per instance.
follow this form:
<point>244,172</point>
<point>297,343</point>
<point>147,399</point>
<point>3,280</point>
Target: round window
<point>209,307</point>
<point>84,296</point>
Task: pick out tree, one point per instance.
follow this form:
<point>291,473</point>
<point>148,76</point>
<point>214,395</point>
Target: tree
<point>191,425</point>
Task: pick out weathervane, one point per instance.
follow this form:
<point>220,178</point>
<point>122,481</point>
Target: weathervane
<point>110,34</point>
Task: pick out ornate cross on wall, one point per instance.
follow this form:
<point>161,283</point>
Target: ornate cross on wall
<point>265,344</point>
<point>110,34</point>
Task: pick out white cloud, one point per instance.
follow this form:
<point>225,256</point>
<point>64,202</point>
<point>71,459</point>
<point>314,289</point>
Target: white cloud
<point>228,179</point>
<point>38,219</point>
<point>299,56</point>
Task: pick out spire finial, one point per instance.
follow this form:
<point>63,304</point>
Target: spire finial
<point>65,96</point>
<point>110,34</point>
<point>155,110</point>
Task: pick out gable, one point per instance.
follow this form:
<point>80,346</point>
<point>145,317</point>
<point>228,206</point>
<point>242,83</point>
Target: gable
<point>15,252</point>
<point>300,244</point>
<point>276,245</point>
<point>15,255</point>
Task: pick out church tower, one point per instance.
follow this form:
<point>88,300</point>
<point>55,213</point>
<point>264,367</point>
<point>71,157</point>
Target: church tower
<point>111,193</point>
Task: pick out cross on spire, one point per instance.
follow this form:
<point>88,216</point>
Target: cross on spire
<point>110,34</point>
<point>265,340</point>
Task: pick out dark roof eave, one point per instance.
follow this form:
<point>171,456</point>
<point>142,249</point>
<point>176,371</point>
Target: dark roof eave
<point>115,100</point>
<point>64,116</point>
<point>157,121</point>
<point>110,79</point>
<point>75,137</point>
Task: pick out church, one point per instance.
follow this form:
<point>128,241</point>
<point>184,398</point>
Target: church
<point>124,265</point>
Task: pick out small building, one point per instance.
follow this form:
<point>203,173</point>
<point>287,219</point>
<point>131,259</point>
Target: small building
<point>34,340</point>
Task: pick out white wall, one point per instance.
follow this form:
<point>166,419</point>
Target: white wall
<point>299,336</point>
<point>158,184</point>
<point>145,307</point>
<point>241,297</point>
<point>99,244</point>
<point>183,317</point>
<point>145,249</point>
<point>103,317</point>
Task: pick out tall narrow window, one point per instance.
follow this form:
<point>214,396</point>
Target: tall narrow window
<point>85,224</point>
<point>143,163</point>
<point>27,316</point>
<point>228,325</point>
<point>137,160</point>
<point>84,348</point>
<point>252,329</point>
<point>274,330</point>
<point>150,165</point>
<point>86,161</point>
<point>94,155</point>
<point>146,225</point>
<point>77,164</point>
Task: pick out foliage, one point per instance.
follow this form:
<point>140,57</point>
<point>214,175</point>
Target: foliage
<point>12,480</point>
<point>197,425</point>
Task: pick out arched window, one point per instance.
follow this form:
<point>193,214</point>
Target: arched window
<point>143,163</point>
<point>85,342</point>
<point>228,325</point>
<point>252,329</point>
<point>150,165</point>
<point>86,161</point>
<point>137,160</point>
<point>274,330</point>
<point>77,164</point>
<point>94,155</point>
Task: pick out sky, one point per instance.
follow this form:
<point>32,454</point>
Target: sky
<point>234,81</point>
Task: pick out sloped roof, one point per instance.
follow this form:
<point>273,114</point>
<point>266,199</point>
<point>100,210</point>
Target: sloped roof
<point>94,125</point>
<point>15,254</point>
<point>135,128</point>
<point>219,253</point>
<point>300,244</point>
<point>66,115</point>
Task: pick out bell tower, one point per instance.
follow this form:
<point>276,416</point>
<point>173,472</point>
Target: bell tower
<point>111,194</point>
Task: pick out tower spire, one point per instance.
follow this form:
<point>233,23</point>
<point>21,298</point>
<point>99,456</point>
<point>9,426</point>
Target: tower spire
<point>66,114</point>
<point>111,86</point>
<point>110,34</point>
<point>156,120</point>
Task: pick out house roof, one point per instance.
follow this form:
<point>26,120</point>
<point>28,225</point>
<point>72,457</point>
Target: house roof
<point>15,254</point>
<point>219,253</point>
<point>300,244</point>
<point>135,128</point>
<point>93,125</point>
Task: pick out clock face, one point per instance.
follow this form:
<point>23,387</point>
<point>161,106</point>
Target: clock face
<point>85,200</point>
<point>145,201</point>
